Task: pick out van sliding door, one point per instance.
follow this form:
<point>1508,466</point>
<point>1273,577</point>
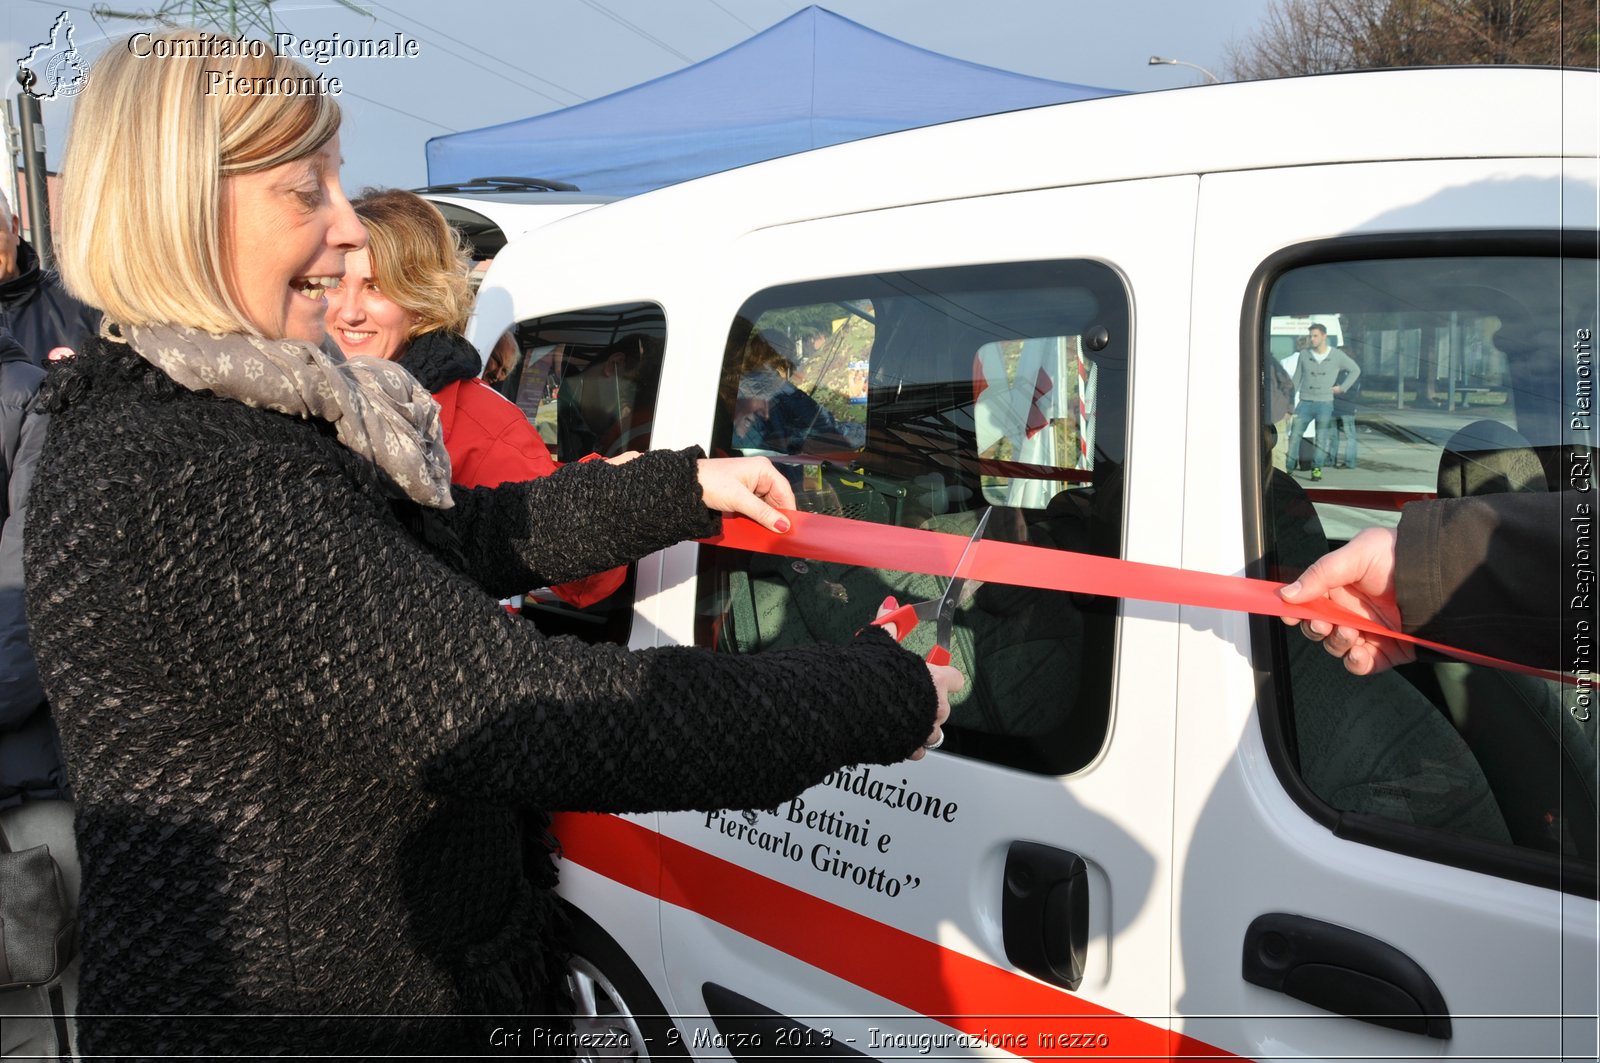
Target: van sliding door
<point>909,369</point>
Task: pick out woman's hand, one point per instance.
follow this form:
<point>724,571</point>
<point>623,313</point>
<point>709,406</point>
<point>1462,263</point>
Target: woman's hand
<point>623,458</point>
<point>1360,577</point>
<point>747,486</point>
<point>946,681</point>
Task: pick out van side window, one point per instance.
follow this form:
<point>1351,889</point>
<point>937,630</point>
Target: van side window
<point>917,399</point>
<point>1468,372</point>
<point>587,380</point>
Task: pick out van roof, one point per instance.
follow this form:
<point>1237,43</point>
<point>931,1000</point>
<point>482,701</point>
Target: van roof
<point>1433,113</point>
<point>489,215</point>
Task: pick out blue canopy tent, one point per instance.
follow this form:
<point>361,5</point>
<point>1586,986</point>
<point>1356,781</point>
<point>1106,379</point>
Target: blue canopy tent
<point>813,79</point>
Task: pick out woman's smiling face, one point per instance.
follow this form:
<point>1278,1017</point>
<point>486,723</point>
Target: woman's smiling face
<point>361,319</point>
<point>285,234</point>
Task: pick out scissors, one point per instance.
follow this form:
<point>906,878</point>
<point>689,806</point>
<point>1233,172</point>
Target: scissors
<point>943,608</point>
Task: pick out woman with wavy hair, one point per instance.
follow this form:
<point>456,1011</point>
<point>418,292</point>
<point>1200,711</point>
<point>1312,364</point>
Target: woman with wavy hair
<point>297,719</point>
<point>405,298</point>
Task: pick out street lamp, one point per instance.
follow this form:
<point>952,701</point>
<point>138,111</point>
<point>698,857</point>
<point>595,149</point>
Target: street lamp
<point>1156,60</point>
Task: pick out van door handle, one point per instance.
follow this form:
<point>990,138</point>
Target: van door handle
<point>1045,912</point>
<point>1343,971</point>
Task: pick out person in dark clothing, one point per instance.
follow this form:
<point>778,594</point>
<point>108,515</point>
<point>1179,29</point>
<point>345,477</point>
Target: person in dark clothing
<point>299,721</point>
<point>598,406</point>
<point>769,412</point>
<point>38,312</point>
<point>1345,408</point>
<point>30,767</point>
<point>1482,573</point>
<point>35,800</point>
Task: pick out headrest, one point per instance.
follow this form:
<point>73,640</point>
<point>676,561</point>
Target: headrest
<point>1488,457</point>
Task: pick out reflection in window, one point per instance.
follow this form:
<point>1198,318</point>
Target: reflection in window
<point>918,399</point>
<point>1464,380</point>
<point>796,382</point>
<point>1034,407</point>
<point>587,380</point>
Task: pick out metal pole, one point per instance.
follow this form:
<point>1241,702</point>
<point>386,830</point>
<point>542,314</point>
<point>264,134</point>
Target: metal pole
<point>1458,358</point>
<point>1399,370</point>
<point>1156,60</point>
<point>33,168</point>
<point>1450,369</point>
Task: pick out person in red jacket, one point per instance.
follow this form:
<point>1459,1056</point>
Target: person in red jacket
<point>406,298</point>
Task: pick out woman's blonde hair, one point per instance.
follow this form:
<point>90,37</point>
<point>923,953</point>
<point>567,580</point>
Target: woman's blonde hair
<point>159,124</point>
<point>418,260</point>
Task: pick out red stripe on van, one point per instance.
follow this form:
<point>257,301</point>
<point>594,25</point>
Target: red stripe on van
<point>964,993</point>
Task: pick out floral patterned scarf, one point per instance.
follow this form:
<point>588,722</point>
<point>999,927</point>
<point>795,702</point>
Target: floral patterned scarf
<point>376,408</point>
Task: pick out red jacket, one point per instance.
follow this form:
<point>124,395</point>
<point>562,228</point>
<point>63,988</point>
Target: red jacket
<point>489,440</point>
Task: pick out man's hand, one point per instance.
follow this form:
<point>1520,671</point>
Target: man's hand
<point>1358,576</point>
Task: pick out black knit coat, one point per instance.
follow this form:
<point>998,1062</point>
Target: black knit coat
<point>298,723</point>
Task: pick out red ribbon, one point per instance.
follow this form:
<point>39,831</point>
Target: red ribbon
<point>1340,496</point>
<point>848,542</point>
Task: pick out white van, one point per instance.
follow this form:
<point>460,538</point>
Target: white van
<point>1154,831</point>
<point>488,211</point>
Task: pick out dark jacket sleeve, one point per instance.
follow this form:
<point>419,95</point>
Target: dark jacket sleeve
<point>1497,574</point>
<point>22,431</point>
<point>359,646</point>
<point>582,519</point>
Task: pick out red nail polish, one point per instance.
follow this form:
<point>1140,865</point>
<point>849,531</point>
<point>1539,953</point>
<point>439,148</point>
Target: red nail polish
<point>783,524</point>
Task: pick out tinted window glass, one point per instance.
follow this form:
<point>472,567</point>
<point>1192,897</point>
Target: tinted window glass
<point>918,399</point>
<point>587,380</point>
<point>1470,370</point>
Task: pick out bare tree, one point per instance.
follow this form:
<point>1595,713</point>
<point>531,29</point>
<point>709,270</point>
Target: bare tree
<point>1319,36</point>
<point>1295,37</point>
<point>1554,32</point>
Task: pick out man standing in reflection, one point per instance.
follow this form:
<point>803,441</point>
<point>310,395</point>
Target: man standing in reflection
<point>1321,374</point>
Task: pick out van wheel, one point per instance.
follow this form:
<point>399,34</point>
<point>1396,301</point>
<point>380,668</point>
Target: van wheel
<point>615,1012</point>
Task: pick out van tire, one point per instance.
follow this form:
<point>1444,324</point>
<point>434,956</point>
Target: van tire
<point>611,999</point>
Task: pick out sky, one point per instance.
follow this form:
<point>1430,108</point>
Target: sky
<point>482,62</point>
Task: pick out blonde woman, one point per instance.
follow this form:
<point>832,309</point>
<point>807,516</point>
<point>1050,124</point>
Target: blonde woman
<point>296,717</point>
<point>405,298</point>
